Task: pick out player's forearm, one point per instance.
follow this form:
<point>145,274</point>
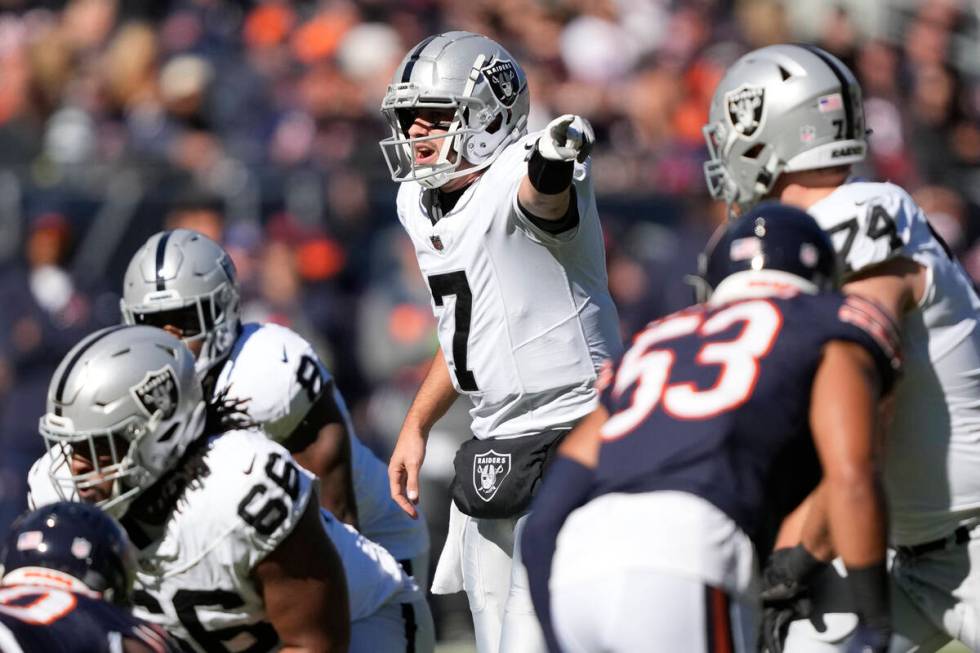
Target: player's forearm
<point>843,420</point>
<point>543,205</point>
<point>434,397</point>
<point>329,457</point>
<point>856,515</point>
<point>815,529</point>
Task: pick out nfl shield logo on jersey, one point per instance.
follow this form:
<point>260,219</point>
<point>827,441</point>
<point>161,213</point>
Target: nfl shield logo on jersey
<point>745,106</point>
<point>157,392</point>
<point>502,77</point>
<point>489,471</point>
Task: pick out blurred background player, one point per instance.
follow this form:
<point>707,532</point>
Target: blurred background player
<point>787,121</point>
<point>507,237</point>
<point>226,531</point>
<point>66,576</point>
<point>708,425</point>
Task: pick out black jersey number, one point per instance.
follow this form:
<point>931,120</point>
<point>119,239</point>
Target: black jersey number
<point>265,516</point>
<point>186,602</point>
<point>880,225</point>
<point>455,283</point>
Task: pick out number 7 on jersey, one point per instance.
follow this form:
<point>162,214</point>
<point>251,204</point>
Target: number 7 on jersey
<point>456,284</point>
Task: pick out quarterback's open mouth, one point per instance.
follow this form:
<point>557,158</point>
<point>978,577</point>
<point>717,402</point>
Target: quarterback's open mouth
<point>425,153</point>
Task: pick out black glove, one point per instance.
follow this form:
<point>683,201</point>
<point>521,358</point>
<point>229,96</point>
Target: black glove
<point>776,621</point>
<point>869,639</point>
<point>785,596</point>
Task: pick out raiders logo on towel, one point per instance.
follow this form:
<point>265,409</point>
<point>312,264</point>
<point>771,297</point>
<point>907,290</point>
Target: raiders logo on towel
<point>502,77</point>
<point>157,392</point>
<point>489,471</point>
<point>746,105</point>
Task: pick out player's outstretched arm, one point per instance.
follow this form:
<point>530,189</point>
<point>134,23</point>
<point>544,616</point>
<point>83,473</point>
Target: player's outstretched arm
<point>305,590</point>
<point>843,414</point>
<point>431,402</point>
<point>545,191</point>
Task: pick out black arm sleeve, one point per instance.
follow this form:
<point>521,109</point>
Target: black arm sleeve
<point>566,486</point>
<point>568,221</point>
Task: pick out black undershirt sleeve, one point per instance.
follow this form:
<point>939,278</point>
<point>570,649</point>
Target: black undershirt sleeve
<point>568,221</point>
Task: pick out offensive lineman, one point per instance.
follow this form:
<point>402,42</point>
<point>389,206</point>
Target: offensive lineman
<point>186,283</point>
<point>231,549</point>
<point>676,471</point>
<point>66,574</point>
<point>507,237</point>
<point>787,122</point>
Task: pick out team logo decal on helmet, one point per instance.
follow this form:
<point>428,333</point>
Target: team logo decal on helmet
<point>489,471</point>
<point>502,77</point>
<point>746,105</point>
<point>158,392</point>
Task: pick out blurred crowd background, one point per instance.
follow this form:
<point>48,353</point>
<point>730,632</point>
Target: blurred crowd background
<point>257,123</point>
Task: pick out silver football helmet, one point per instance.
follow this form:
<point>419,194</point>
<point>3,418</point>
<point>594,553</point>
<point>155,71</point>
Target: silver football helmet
<point>466,73</point>
<point>781,108</point>
<point>185,279</point>
<point>127,400</point>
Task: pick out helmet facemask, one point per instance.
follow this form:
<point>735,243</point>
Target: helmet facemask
<point>110,466</point>
<point>489,112</point>
<point>109,455</point>
<point>213,317</point>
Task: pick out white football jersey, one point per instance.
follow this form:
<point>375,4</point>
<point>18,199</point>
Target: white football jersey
<point>281,375</point>
<point>932,467</point>
<point>195,576</point>
<point>525,318</point>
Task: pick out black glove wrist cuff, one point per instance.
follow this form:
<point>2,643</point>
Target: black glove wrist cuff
<point>548,176</point>
<point>799,563</point>
<point>869,586</point>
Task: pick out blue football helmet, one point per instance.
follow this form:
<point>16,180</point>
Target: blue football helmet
<point>773,247</point>
<point>76,539</point>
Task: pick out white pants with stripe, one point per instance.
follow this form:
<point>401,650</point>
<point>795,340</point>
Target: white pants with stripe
<point>660,571</point>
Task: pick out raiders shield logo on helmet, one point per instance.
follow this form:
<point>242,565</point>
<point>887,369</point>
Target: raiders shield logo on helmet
<point>745,108</point>
<point>489,471</point>
<point>502,77</point>
<point>157,392</point>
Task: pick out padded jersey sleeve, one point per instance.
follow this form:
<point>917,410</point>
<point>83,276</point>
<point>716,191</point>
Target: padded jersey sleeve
<point>862,321</point>
<point>273,494</point>
<point>872,222</point>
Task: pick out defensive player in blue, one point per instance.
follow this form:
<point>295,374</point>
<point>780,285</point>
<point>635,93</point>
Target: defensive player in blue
<point>716,422</point>
<point>67,570</point>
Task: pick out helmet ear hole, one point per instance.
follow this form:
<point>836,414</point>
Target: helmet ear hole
<point>754,151</point>
<point>495,125</point>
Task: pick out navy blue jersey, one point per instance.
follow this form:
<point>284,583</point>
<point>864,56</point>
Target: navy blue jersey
<point>49,620</point>
<point>715,401</point>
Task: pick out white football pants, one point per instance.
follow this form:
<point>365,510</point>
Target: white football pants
<point>482,557</point>
<point>649,610</point>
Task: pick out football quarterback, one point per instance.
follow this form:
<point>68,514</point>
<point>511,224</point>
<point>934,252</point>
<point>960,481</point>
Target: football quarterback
<point>507,237</point>
<point>787,122</point>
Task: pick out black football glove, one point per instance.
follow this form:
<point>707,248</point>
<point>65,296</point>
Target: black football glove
<point>785,595</point>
